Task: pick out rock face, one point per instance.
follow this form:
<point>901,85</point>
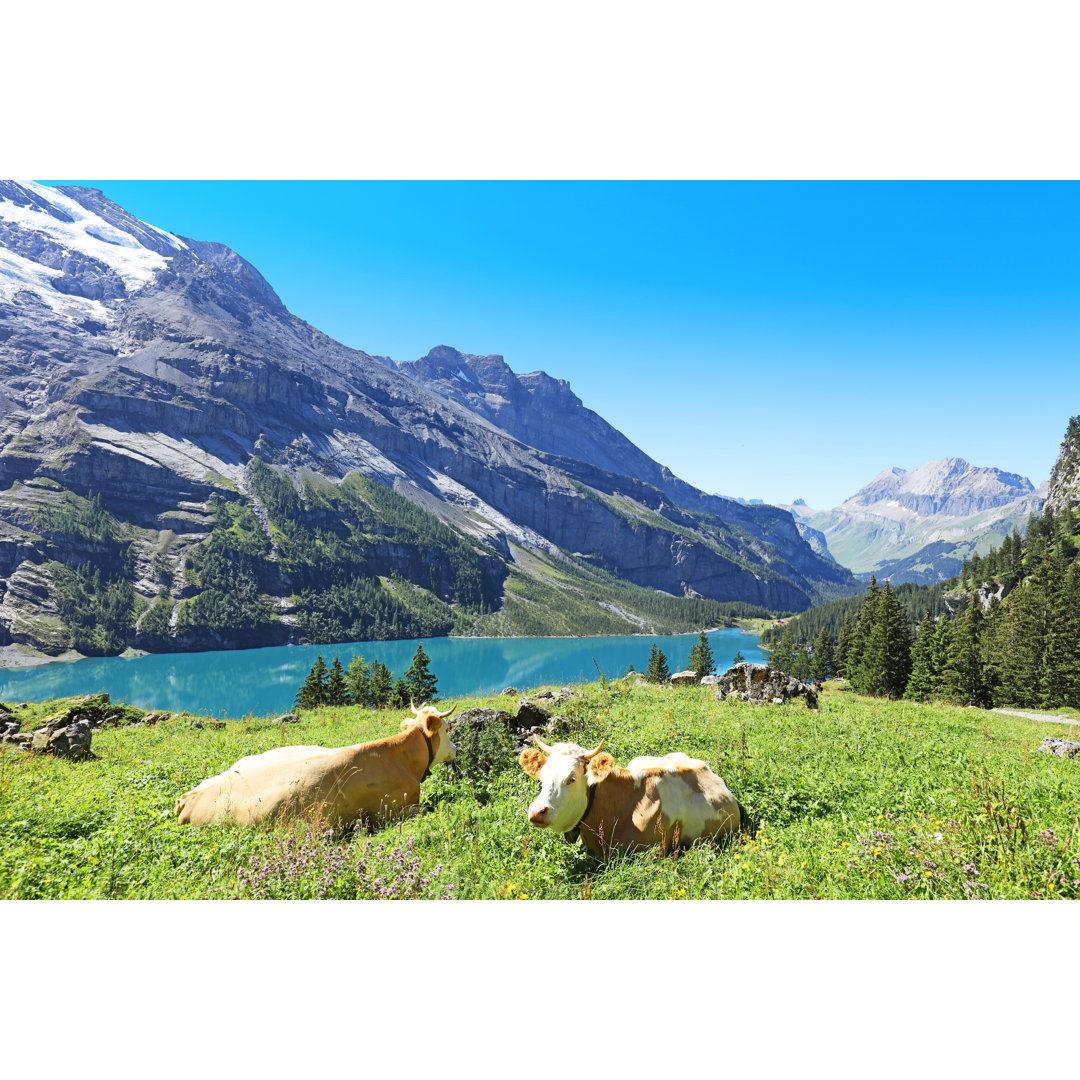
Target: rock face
<point>1061,747</point>
<point>1064,491</point>
<point>151,370</point>
<point>762,684</point>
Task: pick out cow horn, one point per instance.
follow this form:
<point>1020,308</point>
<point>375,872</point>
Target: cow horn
<point>412,706</point>
<point>444,715</point>
<point>543,745</point>
<point>593,753</point>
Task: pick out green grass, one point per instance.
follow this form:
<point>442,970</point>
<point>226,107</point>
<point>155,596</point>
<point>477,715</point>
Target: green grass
<point>864,798</point>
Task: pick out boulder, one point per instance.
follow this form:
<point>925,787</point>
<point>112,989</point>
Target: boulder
<point>684,678</point>
<point>71,741</point>
<point>288,718</point>
<point>530,715</point>
<point>510,691</point>
<point>763,684</point>
<point>1062,747</point>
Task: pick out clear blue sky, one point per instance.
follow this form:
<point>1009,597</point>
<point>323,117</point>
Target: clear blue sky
<point>774,340</point>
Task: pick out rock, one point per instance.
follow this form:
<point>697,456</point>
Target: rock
<point>510,691</point>
<point>761,683</point>
<point>710,680</point>
<point>196,724</point>
<point>531,715</point>
<point>684,678</point>
<point>72,741</point>
<point>1062,747</point>
<point>155,717</point>
<point>474,718</point>
<point>542,694</point>
<point>288,718</point>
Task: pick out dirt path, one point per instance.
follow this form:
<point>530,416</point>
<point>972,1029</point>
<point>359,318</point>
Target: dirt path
<point>1038,716</point>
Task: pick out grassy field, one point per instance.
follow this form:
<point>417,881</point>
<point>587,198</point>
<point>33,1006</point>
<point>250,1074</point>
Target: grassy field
<point>862,799</point>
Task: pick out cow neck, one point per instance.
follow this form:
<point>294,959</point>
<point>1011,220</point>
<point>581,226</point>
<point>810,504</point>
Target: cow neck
<point>588,804</point>
<point>430,753</point>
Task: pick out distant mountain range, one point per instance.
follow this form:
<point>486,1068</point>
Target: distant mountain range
<point>919,525</point>
<point>185,464</point>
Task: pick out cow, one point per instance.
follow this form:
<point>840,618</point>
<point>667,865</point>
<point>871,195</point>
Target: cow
<point>668,801</point>
<point>371,782</point>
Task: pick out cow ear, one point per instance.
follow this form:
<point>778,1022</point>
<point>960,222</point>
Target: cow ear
<point>431,724</point>
<point>532,761</point>
<point>600,766</point>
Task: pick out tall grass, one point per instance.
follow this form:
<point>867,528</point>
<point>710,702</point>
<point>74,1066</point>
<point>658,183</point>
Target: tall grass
<point>864,798</point>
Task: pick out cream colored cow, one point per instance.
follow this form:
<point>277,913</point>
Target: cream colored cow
<point>373,782</point>
<point>668,801</point>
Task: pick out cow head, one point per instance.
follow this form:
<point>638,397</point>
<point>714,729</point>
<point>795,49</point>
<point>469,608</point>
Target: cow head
<point>566,772</point>
<point>430,721</point>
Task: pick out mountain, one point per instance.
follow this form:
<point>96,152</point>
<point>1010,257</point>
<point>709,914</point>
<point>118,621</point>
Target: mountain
<point>185,464</point>
<point>918,525</point>
<point>1064,487</point>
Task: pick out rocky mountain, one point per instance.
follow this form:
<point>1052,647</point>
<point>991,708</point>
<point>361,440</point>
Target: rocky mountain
<point>918,525</point>
<point>186,464</point>
<point>1064,488</point>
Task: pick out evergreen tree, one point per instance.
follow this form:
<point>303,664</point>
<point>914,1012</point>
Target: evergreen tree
<point>782,658</point>
<point>380,683</point>
<point>701,661</point>
<point>821,667</point>
<point>423,686</point>
<point>1059,669</point>
<point>336,691</point>
<point>738,658</point>
<point>921,681</point>
<point>399,694</point>
<point>939,655</point>
<point>864,623</point>
<point>313,692</point>
<point>843,647</point>
<point>657,671</point>
<point>357,681</point>
<point>800,666</point>
<point>965,673</point>
<point>885,661</point>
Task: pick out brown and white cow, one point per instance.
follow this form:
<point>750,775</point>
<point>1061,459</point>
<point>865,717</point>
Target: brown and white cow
<point>373,781</point>
<point>668,801</point>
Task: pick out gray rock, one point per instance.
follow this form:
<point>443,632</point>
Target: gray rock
<point>710,680</point>
<point>1062,747</point>
<point>72,741</point>
<point>510,691</point>
<point>288,718</point>
<point>684,678</point>
<point>761,683</point>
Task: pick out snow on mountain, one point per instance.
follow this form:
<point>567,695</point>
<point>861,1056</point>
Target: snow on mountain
<point>72,256</point>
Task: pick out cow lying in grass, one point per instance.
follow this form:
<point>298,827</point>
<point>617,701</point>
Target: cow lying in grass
<point>668,801</point>
<point>371,782</point>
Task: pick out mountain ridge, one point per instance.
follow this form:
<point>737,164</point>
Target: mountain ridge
<point>162,368</point>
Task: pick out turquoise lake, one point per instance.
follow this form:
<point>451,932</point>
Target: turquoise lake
<point>263,682</point>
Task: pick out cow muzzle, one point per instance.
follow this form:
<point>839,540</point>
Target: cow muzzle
<point>538,815</point>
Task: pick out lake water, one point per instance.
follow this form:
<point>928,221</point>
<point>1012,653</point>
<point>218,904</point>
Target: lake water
<point>264,682</point>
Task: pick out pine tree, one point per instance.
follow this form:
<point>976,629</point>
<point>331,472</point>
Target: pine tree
<point>380,682</point>
<point>313,693</point>
<point>357,681</point>
<point>920,683</point>
<point>423,686</point>
<point>864,622</point>
<point>701,661</point>
<point>738,658</point>
<point>885,662</point>
<point>821,667</point>
<point>965,673</point>
<point>336,691</point>
<point>843,647</point>
<point>657,671</point>
<point>399,694</point>
<point>939,654</point>
<point>782,658</point>
<point>800,665</point>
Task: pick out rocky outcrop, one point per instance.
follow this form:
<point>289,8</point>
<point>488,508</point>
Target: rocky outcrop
<point>1061,747</point>
<point>1064,491</point>
<point>761,684</point>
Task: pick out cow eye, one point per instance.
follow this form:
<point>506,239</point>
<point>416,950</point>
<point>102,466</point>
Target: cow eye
<point>571,779</point>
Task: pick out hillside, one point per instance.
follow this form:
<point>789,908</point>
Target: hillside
<point>184,464</point>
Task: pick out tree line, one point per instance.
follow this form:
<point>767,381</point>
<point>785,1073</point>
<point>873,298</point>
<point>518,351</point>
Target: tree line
<point>1013,637</point>
<point>371,685</point>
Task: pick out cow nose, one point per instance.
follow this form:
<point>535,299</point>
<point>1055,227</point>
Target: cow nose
<point>536,817</point>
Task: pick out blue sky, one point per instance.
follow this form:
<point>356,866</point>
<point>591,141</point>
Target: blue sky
<point>774,340</point>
